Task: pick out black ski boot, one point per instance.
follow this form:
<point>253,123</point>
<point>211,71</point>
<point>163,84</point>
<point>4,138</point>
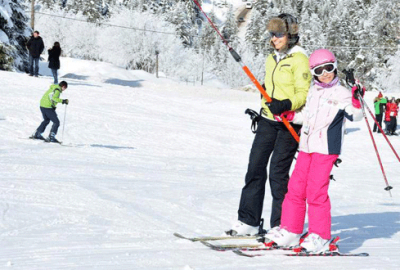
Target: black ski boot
<point>52,138</point>
<point>37,136</point>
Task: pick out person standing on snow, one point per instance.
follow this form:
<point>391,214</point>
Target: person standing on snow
<point>328,104</point>
<point>48,105</point>
<point>35,46</point>
<point>387,116</point>
<point>54,60</point>
<point>397,113</point>
<point>379,104</point>
<point>287,82</point>
<point>392,110</point>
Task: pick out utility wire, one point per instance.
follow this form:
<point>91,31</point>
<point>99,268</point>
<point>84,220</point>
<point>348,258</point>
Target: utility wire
<point>197,36</point>
<point>112,25</point>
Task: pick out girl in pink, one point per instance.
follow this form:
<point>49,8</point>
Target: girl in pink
<point>328,106</point>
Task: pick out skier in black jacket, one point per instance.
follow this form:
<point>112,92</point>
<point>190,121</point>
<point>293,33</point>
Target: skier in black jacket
<point>35,46</point>
<point>54,60</point>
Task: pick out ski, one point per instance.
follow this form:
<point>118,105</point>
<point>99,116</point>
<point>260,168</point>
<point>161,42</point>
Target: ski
<point>60,143</point>
<point>327,254</point>
<point>215,238</point>
<point>244,247</point>
<point>33,138</point>
<point>241,253</point>
<point>249,247</point>
<point>300,252</point>
<point>304,254</point>
<point>263,244</point>
<point>47,140</point>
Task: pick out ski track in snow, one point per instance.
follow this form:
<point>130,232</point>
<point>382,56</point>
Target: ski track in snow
<point>155,159</point>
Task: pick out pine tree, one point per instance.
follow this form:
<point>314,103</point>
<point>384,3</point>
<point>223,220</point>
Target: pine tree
<point>94,10</point>
<point>183,25</point>
<point>208,36</point>
<point>230,30</point>
<point>192,10</point>
<point>389,79</point>
<point>14,33</point>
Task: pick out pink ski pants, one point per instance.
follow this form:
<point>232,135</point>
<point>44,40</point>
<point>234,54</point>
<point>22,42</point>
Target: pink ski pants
<point>309,183</point>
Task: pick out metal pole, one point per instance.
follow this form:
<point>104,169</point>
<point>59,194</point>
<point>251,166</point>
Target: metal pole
<point>380,128</point>
<point>65,116</point>
<point>157,63</point>
<point>33,14</point>
<point>388,187</point>
<point>202,70</point>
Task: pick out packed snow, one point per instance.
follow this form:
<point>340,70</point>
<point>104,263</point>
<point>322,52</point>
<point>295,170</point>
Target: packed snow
<point>147,157</point>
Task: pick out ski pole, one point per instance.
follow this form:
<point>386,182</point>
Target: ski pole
<point>65,115</point>
<point>380,128</point>
<point>350,80</point>
<point>238,59</point>
<point>388,187</point>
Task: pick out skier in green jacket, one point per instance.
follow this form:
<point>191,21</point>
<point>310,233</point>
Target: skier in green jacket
<point>48,105</point>
<point>379,104</point>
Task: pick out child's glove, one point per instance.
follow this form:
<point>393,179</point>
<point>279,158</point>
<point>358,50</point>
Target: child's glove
<point>65,101</point>
<point>289,115</point>
<point>357,89</point>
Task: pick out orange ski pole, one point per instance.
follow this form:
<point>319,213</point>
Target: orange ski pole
<point>238,59</point>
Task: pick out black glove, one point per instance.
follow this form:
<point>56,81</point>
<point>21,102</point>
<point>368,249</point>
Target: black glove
<point>65,101</point>
<point>279,106</point>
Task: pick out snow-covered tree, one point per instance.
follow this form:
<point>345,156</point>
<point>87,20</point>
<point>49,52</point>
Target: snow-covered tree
<point>92,9</point>
<point>230,30</point>
<point>208,35</point>
<point>389,80</point>
<point>14,33</point>
<point>363,34</point>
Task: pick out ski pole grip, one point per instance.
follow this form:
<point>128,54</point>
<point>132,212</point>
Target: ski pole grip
<point>235,55</point>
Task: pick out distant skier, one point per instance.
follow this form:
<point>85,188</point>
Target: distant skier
<point>287,81</point>
<point>379,104</point>
<point>54,60</point>
<point>397,113</point>
<point>392,110</point>
<point>48,105</point>
<point>35,46</point>
<point>328,104</point>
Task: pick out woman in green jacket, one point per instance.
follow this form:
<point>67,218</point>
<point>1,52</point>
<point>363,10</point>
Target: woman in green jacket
<point>287,81</point>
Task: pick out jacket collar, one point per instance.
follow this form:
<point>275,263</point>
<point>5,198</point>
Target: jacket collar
<point>296,49</point>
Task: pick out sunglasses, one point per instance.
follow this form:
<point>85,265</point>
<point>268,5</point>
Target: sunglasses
<point>277,34</point>
<point>328,68</point>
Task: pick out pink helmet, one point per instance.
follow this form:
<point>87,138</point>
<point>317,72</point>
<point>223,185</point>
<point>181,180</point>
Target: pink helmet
<point>322,56</point>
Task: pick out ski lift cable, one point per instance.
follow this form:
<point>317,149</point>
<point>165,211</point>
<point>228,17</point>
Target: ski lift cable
<point>108,24</point>
<point>197,36</point>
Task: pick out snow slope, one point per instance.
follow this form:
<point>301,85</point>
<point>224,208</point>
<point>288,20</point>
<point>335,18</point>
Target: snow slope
<point>150,157</point>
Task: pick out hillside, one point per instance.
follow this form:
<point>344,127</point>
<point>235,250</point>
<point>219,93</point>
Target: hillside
<point>148,157</point>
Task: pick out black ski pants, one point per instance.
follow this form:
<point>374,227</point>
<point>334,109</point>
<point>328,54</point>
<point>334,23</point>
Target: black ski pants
<point>392,124</point>
<point>271,138</point>
<point>379,120</point>
<point>49,114</point>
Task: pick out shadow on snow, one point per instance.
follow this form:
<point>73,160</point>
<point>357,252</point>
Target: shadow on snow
<point>358,228</point>
<point>124,82</point>
<point>110,146</point>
